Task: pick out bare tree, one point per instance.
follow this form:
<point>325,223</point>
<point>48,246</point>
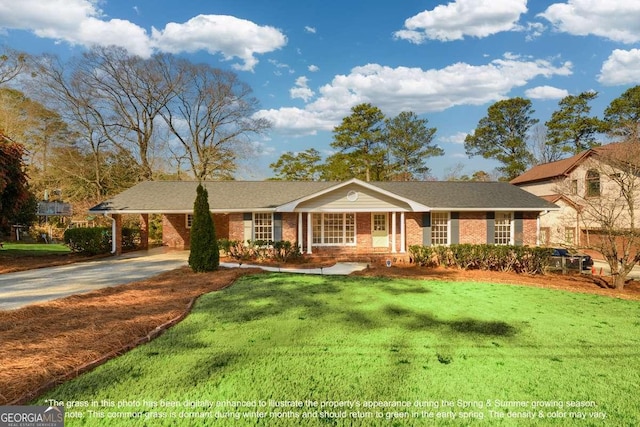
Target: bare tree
<point>85,158</point>
<point>210,114</point>
<point>128,93</point>
<point>12,64</point>
<point>541,150</point>
<point>608,198</point>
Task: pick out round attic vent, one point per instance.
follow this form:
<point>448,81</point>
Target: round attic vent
<point>352,196</point>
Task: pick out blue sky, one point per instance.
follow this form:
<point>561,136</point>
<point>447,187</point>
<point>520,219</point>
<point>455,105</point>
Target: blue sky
<point>310,61</point>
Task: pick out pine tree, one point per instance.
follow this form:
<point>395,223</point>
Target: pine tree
<point>204,255</point>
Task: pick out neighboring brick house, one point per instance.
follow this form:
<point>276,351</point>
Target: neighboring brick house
<point>346,218</point>
<point>583,182</point>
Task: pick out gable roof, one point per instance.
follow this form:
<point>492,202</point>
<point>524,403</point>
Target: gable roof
<point>561,168</point>
<point>551,170</point>
<point>248,196</point>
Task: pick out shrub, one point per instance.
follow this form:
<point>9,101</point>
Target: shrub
<point>262,250</point>
<point>204,254</point>
<point>519,259</point>
<point>284,250</point>
<point>92,241</point>
<point>130,238</point>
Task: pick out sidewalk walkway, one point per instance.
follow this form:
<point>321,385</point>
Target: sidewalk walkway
<point>340,268</point>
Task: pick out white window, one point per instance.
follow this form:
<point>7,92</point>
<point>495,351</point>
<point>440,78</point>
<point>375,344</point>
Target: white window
<point>188,220</point>
<point>334,229</point>
<point>439,228</point>
<point>503,228</point>
<point>263,226</point>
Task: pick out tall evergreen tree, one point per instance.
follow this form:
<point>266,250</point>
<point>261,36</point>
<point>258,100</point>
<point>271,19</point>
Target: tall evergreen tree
<point>410,144</point>
<point>571,129</point>
<point>360,137</point>
<point>622,116</point>
<point>204,255</point>
<point>502,135</point>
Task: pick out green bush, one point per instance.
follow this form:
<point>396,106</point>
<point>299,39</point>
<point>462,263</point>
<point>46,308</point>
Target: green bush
<point>204,254</point>
<point>262,250</point>
<point>130,238</point>
<point>92,241</point>
<point>518,259</point>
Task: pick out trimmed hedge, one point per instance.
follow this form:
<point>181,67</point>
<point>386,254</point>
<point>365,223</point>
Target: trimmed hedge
<point>260,250</point>
<point>518,259</point>
<point>92,241</point>
<point>97,240</point>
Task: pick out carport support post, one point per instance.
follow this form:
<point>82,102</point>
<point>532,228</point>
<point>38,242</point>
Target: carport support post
<point>144,231</point>
<point>117,235</point>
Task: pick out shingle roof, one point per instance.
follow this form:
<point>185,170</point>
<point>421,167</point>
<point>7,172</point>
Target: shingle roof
<point>178,196</point>
<point>467,195</point>
<point>226,196</point>
<point>560,168</point>
<point>550,170</point>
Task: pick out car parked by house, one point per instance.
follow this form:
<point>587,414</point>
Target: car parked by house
<point>566,258</point>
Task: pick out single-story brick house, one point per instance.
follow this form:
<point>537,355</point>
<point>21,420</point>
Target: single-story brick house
<point>346,218</point>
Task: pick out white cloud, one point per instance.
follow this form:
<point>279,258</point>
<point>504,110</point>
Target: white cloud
<point>622,67</point>
<point>421,91</point>
<point>81,22</point>
<point>301,89</point>
<point>546,92</point>
<point>230,36</point>
<point>309,29</point>
<point>615,20</point>
<point>456,138</point>
<point>313,68</point>
<point>78,22</point>
<point>460,18</point>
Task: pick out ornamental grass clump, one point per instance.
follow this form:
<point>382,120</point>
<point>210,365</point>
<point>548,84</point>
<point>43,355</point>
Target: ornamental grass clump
<point>204,255</point>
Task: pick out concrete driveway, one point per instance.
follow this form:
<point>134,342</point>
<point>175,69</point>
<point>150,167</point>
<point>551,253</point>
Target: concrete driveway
<point>45,284</point>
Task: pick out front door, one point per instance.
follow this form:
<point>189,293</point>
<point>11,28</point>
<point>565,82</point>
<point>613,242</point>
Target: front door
<point>379,230</point>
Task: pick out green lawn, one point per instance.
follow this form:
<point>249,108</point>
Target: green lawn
<point>363,351</point>
<point>16,249</point>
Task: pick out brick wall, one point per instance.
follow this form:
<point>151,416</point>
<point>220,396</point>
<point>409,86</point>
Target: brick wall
<point>236,227</point>
<point>290,227</point>
<point>530,228</point>
<point>473,227</point>
<point>175,233</point>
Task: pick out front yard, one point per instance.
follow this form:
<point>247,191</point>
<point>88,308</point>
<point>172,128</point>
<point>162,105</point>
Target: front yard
<point>289,350</point>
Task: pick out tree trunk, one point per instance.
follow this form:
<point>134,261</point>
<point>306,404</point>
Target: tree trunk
<point>618,281</point>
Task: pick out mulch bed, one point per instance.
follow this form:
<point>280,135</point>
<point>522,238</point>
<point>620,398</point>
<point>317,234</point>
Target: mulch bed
<point>12,264</point>
<point>45,344</point>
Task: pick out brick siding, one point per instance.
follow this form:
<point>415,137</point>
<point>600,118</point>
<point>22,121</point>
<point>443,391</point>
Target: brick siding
<point>473,227</point>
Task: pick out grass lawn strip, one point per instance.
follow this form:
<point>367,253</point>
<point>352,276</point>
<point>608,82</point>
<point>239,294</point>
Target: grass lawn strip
<point>282,338</point>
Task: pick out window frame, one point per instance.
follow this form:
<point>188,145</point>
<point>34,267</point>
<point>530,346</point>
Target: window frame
<point>447,225</point>
<point>188,221</point>
<point>593,185</point>
<point>498,232</point>
<point>254,221</point>
<point>347,229</point>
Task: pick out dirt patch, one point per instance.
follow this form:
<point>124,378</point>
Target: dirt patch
<point>44,343</point>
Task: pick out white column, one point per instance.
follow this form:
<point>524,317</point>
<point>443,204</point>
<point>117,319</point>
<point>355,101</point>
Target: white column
<point>402,233</point>
<point>393,232</point>
<point>309,232</point>
<point>300,232</point>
